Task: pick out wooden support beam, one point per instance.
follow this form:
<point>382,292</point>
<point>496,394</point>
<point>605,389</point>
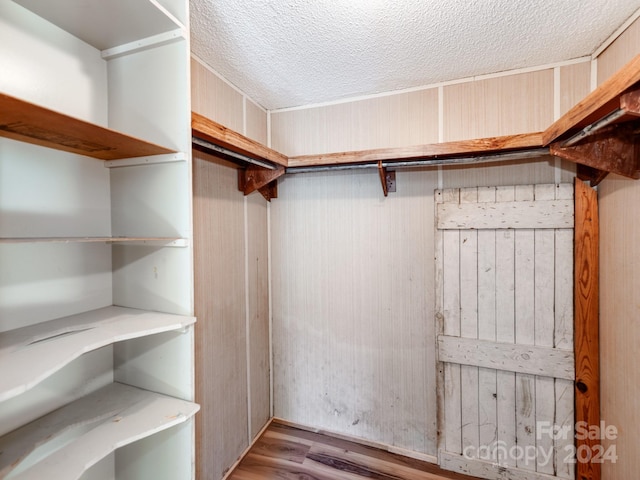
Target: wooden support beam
<point>599,103</point>
<point>587,386</point>
<point>614,149</point>
<point>590,174</point>
<point>387,179</point>
<point>218,134</point>
<point>264,180</point>
<point>630,102</point>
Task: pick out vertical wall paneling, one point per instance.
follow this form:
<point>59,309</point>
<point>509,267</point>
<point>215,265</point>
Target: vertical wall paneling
<point>619,326</point>
<point>502,105</point>
<point>575,84</point>
<point>221,362</point>
<point>232,334</point>
<point>256,122</point>
<point>258,312</point>
<point>619,284</point>
<point>353,332</point>
<point>385,121</point>
<point>619,52</point>
<point>214,98</point>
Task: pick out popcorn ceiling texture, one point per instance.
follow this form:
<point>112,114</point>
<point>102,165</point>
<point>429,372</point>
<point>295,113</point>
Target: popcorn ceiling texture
<point>285,53</point>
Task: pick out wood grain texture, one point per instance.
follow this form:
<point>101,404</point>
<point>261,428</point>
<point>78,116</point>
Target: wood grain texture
<point>586,302</point>
<point>395,120</point>
<point>213,98</point>
<point>206,129</point>
<point>30,123</point>
<point>352,306</point>
<point>289,453</point>
<point>435,150</point>
<point>220,306</point>
<point>620,328</point>
<point>509,105</point>
<point>602,101</point>
<point>622,50</point>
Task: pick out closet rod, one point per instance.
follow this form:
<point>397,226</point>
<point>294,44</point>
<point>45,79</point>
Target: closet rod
<point>431,162</point>
<point>212,147</point>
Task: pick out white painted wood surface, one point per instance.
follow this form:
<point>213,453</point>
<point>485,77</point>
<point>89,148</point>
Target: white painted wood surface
<point>529,359</point>
<point>67,442</point>
<point>30,354</point>
<point>488,470</point>
<point>492,215</point>
<point>513,334</point>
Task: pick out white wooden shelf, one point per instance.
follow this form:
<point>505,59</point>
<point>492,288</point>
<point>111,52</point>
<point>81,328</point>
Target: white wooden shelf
<point>153,241</point>
<point>68,441</point>
<point>29,355</point>
<point>106,25</point>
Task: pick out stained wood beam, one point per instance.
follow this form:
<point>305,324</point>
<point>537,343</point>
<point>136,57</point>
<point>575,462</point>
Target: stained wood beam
<point>217,134</point>
<point>587,386</point>
<point>462,148</point>
<point>264,180</point>
<point>599,103</point>
<point>614,149</point>
<point>387,179</point>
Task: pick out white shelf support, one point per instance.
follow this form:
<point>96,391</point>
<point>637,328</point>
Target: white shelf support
<point>151,160</point>
<point>144,44</point>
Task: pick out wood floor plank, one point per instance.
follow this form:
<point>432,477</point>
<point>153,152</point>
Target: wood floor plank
<point>284,452</point>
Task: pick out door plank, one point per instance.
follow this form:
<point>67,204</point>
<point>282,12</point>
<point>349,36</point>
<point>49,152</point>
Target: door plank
<point>451,312</point>
<point>544,265</point>
<point>563,338</point>
<point>505,329</point>
<point>525,332</point>
<point>527,214</point>
<point>522,359</point>
<point>487,377</point>
<point>469,327</point>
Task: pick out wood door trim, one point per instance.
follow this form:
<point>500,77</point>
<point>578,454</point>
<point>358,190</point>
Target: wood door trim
<point>586,324</point>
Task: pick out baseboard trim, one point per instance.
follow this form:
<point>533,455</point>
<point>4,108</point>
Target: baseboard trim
<point>246,451</point>
<point>361,441</point>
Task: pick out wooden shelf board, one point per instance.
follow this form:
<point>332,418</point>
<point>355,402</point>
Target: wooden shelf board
<point>29,355</point>
<point>220,135</point>
<point>103,24</point>
<point>144,240</point>
<point>602,101</point>
<point>30,123</point>
<point>484,146</point>
<point>98,424</point>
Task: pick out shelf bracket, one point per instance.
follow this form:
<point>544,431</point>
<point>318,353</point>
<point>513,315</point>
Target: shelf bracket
<point>387,179</point>
<point>614,149</point>
<point>254,178</point>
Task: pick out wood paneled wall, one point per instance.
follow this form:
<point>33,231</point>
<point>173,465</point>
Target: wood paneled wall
<point>353,271</point>
<point>231,288</point>
<point>619,199</point>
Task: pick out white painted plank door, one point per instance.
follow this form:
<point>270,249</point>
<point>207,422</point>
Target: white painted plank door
<point>504,286</point>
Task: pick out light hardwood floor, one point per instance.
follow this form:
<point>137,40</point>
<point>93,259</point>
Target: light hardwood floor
<point>288,453</point>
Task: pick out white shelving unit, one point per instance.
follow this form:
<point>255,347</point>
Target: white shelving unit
<point>96,264</point>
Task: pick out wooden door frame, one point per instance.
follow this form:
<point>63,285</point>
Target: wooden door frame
<point>586,327</point>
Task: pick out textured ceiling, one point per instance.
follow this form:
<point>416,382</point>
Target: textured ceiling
<point>285,53</point>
